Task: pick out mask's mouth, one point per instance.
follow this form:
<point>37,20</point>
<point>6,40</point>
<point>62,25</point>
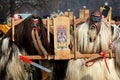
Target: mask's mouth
<point>93,33</point>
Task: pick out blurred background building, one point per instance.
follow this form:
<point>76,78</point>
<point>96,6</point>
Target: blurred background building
<point>46,7</point>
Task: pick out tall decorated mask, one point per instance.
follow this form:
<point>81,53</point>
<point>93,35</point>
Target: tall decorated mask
<point>94,26</point>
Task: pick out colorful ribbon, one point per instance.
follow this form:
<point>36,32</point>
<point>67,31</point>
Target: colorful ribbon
<point>23,58</point>
<point>103,54</point>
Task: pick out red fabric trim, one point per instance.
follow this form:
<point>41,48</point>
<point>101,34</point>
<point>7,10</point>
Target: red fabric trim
<point>25,59</point>
<point>103,54</point>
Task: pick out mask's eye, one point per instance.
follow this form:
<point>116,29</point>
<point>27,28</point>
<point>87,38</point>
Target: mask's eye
<point>96,18</point>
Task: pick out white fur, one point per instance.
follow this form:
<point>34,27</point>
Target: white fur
<point>85,46</point>
<point>77,70</point>
<point>14,67</point>
<point>5,44</point>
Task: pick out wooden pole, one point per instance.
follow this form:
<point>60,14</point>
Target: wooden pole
<point>13,29</point>
<point>109,20</point>
<point>48,29</point>
<point>12,11</point>
<point>75,39</point>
